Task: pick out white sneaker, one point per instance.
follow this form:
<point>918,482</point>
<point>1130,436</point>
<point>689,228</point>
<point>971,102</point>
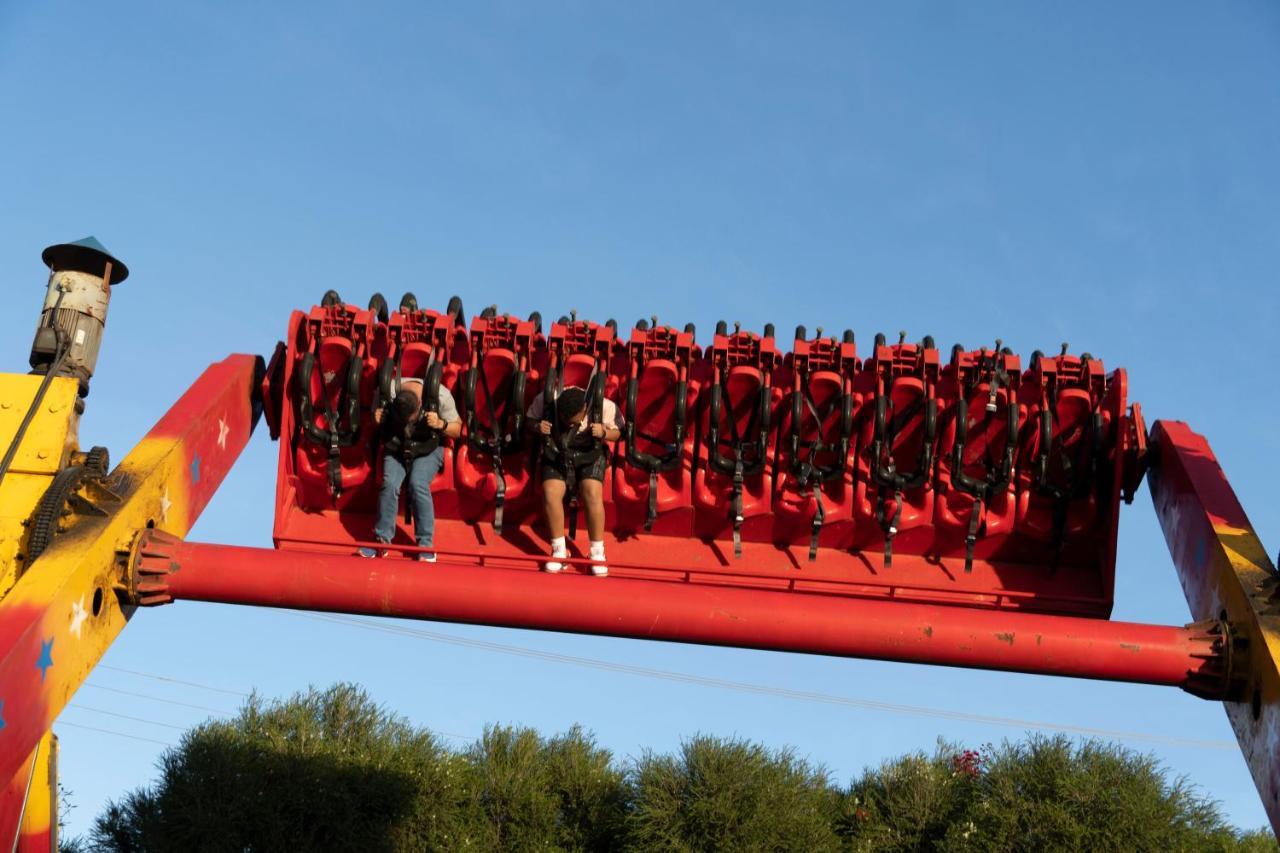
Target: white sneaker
<point>426,556</point>
<point>553,565</point>
<point>597,553</point>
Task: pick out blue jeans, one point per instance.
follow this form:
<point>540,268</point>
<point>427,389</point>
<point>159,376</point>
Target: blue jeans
<point>421,473</point>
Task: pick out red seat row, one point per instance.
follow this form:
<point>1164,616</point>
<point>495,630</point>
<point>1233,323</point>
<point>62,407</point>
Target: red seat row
<point>901,452</point>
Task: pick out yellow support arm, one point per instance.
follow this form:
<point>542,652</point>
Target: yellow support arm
<point>66,608</point>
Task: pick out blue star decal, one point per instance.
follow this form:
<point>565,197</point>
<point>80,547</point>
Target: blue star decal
<point>46,657</point>
<point>195,469</point>
<point>1,715</point>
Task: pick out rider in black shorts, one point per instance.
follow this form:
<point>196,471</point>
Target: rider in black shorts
<point>586,451</point>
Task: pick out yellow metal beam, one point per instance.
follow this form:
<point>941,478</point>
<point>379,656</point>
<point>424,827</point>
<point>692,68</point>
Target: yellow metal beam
<point>67,607</point>
<point>49,440</point>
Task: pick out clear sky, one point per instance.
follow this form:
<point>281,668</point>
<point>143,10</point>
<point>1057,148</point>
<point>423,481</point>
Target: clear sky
<point>1099,173</point>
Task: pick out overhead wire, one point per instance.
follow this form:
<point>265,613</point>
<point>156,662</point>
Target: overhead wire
<point>217,711</point>
<point>767,690</point>
<point>676,677</point>
<point>61,723</point>
<point>165,678</point>
<point>79,707</point>
<point>171,680</point>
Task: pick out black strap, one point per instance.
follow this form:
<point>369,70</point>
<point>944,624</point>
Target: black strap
<point>499,493</point>
<point>652,514</point>
<point>890,525</point>
<point>971,538</point>
<point>739,477</point>
<point>819,516</point>
<point>496,448</point>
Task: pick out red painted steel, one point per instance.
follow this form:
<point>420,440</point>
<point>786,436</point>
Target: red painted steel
<point>1226,574</point>
<point>1032,530</point>
<point>693,613</point>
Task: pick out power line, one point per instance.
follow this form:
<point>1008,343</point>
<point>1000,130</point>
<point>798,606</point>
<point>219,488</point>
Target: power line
<point>766,690</point>
<point>166,678</point>
<point>157,699</point>
<point>125,716</point>
<point>173,680</point>
<point>110,732</point>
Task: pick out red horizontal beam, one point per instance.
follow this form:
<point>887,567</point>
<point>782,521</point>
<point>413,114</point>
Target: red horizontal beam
<point>1187,657</point>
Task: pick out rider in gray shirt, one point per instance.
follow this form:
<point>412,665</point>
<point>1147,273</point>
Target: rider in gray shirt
<point>412,443</point>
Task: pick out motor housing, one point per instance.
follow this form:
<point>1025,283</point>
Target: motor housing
<point>81,275</point>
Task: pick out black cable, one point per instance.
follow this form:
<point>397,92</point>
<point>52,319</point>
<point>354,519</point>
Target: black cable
<point>172,680</point>
<point>59,354</point>
<point>61,723</point>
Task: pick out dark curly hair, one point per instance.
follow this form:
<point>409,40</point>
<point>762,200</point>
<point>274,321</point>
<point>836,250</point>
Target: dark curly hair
<point>570,403</point>
<point>404,405</point>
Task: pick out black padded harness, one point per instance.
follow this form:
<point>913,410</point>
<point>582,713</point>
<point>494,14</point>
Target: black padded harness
<point>884,468</point>
<point>997,474</point>
<point>808,474</point>
<point>494,442</point>
<point>341,418</point>
<point>655,465</point>
<point>749,448</point>
<point>1077,476</point>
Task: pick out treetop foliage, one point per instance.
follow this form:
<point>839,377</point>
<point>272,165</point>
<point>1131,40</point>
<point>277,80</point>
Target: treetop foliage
<point>333,770</point>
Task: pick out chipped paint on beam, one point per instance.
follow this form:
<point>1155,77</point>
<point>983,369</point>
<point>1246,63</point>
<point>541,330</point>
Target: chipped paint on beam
<point>1225,574</point>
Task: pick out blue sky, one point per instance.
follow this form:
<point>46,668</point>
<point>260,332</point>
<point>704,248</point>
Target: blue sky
<point>1098,173</point>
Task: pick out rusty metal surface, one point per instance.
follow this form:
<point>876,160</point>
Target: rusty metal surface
<point>1226,575</point>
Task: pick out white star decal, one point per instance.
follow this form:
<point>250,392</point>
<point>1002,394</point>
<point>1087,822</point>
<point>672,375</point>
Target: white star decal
<point>78,615</point>
<point>223,429</point>
<point>165,503</point>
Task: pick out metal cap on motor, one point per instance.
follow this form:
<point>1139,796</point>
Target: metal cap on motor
<point>81,276</point>
<point>85,255</point>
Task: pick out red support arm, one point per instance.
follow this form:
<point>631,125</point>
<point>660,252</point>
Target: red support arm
<point>1226,575</point>
<point>1189,657</point>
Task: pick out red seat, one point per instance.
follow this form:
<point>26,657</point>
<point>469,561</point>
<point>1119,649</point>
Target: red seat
<point>897,449</point>
<point>334,385</point>
<point>976,503</point>
<point>1066,437</point>
<point>733,483</point>
<point>492,466</point>
<point>652,483</point>
<point>814,499</point>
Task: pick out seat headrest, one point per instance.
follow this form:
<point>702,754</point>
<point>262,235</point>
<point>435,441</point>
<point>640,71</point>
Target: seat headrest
<point>659,371</point>
<point>334,354</point>
<point>415,358</point>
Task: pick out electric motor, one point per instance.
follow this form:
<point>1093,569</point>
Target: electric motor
<point>67,340</point>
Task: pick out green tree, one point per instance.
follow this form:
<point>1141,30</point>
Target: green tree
<point>332,770</point>
<point>561,793</point>
<point>1041,794</point>
<point>326,770</point>
<point>730,795</point>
